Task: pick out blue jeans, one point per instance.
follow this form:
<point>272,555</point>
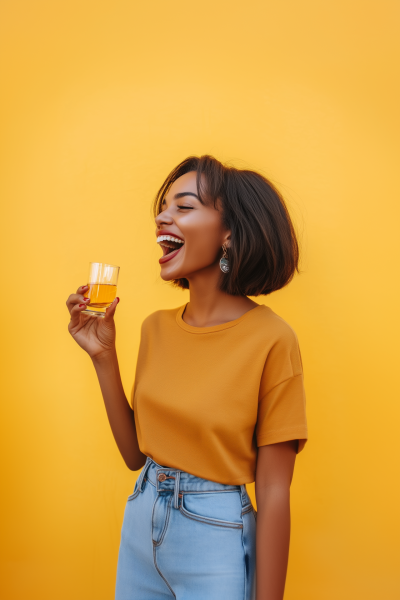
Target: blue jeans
<point>187,538</point>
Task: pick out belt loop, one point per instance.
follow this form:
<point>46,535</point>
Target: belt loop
<point>176,489</point>
<point>243,493</point>
<point>143,473</point>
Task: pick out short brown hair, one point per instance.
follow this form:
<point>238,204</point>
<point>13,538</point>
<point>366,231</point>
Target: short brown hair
<point>263,254</point>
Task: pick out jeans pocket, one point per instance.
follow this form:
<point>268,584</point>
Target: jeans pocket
<point>209,509</point>
<point>135,493</point>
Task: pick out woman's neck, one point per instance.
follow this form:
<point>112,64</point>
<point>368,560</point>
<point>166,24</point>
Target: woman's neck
<point>209,306</point>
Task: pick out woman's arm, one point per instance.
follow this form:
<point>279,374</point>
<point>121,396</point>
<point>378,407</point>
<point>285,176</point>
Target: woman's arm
<point>120,414</point>
<point>275,464</point>
<point>96,336</point>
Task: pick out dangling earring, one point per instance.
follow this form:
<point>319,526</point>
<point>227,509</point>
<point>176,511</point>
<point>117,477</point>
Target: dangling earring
<point>224,262</point>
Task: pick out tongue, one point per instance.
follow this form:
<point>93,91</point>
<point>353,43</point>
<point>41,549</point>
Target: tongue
<point>167,250</point>
<point>170,250</point>
<point>168,247</point>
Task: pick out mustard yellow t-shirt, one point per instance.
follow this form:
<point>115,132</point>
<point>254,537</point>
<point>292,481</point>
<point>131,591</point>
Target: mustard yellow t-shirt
<point>205,397</point>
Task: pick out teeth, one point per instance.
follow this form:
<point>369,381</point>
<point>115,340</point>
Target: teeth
<point>169,238</point>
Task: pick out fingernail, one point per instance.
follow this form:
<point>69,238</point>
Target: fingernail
<point>117,298</point>
<point>86,299</point>
<point>84,287</point>
<point>80,306</point>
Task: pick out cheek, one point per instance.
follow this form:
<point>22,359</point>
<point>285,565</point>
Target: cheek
<point>204,238</point>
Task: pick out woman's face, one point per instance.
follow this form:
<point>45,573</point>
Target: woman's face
<point>196,229</point>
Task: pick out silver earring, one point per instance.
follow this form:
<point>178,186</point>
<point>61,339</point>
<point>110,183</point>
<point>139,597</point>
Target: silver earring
<point>224,262</point>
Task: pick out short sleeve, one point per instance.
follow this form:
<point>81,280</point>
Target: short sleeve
<point>282,402</point>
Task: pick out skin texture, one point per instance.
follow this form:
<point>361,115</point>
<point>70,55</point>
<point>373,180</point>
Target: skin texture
<point>201,228</point>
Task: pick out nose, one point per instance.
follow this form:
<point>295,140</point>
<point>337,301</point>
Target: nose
<point>164,218</point>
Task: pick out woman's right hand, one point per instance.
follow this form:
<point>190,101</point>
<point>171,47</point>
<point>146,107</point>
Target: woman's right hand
<point>96,335</point>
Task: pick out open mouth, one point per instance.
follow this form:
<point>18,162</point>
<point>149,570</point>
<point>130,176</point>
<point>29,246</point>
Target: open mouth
<point>170,246</point>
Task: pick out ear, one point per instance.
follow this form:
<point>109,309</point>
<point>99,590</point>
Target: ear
<point>227,239</point>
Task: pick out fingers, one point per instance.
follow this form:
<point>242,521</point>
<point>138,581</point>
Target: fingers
<point>75,312</point>
<point>78,298</point>
<point>111,310</point>
<point>82,289</point>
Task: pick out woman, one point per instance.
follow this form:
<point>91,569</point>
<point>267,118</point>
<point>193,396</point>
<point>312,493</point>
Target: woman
<point>218,399</point>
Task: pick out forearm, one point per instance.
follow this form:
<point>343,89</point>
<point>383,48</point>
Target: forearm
<point>273,535</point>
<point>119,412</point>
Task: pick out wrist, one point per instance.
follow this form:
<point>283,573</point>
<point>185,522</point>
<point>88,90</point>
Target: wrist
<point>104,357</point>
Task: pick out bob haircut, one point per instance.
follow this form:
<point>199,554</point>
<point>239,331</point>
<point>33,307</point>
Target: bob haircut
<point>263,253</point>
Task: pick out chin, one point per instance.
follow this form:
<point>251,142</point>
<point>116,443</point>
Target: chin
<point>168,276</point>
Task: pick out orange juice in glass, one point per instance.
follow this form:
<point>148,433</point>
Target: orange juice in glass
<point>102,282</point>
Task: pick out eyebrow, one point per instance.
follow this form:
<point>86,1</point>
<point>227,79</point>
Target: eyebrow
<point>182,195</point>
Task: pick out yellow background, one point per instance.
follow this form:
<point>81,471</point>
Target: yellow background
<point>99,101</point>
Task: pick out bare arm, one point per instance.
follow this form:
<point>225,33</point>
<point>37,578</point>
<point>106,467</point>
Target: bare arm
<point>120,414</point>
<point>274,474</point>
<point>96,336</point>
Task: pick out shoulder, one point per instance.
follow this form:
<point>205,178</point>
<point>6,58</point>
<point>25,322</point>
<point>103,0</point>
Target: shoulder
<point>283,356</point>
<point>271,325</point>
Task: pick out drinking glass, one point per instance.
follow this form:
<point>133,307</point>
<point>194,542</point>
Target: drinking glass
<point>102,282</point>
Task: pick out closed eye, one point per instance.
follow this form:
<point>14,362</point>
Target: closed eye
<point>184,206</point>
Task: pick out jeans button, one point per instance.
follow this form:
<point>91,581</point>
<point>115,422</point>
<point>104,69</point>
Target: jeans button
<point>162,477</point>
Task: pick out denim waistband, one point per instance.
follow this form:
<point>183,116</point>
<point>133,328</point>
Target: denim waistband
<point>168,479</point>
